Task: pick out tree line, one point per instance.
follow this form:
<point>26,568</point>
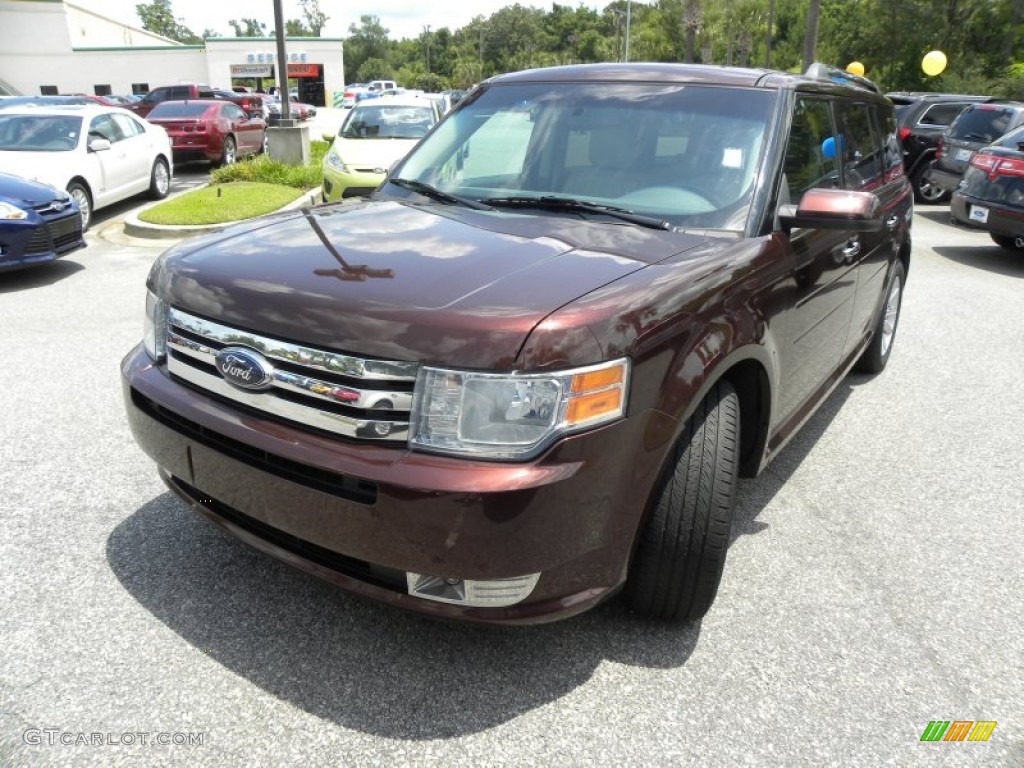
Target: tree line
<point>982,40</point>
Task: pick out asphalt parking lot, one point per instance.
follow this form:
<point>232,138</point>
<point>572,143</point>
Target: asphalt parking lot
<point>873,585</point>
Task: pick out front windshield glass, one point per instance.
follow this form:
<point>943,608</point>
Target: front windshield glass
<point>39,133</point>
<point>683,153</point>
<point>388,121</point>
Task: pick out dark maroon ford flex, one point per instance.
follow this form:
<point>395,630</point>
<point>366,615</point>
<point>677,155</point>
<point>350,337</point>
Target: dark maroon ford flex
<point>525,374</point>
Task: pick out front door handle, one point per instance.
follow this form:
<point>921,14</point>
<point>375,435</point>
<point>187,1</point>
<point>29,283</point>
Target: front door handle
<point>892,222</point>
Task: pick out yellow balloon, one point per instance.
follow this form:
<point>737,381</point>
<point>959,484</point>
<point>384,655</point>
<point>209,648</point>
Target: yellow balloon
<point>855,68</point>
<point>933,63</point>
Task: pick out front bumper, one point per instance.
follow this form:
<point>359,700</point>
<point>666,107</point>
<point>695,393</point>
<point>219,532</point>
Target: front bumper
<point>363,516</point>
<point>338,185</point>
<point>1000,219</point>
<point>34,241</point>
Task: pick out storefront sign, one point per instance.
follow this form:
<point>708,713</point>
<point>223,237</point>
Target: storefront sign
<point>250,70</point>
<point>303,70</point>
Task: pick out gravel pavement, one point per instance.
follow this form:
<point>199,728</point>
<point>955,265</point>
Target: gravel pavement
<point>874,581</point>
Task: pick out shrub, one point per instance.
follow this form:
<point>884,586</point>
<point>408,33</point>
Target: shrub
<point>261,168</point>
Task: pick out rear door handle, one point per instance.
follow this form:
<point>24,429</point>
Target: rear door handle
<point>892,222</point>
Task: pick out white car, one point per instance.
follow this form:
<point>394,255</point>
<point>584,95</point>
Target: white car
<point>100,155</point>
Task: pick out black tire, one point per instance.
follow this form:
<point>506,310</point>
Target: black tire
<point>681,554</point>
<point>229,153</point>
<point>876,356</point>
<point>84,199</point>
<point>159,179</point>
<point>1015,244</point>
<point>924,190</point>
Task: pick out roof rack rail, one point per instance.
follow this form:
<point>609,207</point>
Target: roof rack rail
<point>819,71</point>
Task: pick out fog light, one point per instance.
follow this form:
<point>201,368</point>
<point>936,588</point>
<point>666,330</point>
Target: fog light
<point>492,593</point>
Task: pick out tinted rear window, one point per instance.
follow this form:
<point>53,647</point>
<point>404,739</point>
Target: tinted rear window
<point>179,109</point>
<point>983,123</point>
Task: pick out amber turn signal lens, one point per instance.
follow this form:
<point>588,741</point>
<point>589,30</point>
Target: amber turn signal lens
<point>593,406</point>
<point>606,377</point>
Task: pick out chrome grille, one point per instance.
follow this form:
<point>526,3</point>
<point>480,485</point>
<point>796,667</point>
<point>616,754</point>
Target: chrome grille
<point>355,397</point>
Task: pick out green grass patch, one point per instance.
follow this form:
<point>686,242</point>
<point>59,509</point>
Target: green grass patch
<point>220,203</point>
<point>262,168</point>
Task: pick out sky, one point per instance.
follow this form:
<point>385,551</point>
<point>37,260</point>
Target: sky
<point>402,18</point>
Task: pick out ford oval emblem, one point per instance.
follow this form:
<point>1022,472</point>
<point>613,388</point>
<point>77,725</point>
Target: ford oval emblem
<point>244,368</point>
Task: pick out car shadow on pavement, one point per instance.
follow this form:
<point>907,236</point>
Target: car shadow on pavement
<point>365,666</point>
<point>989,257</point>
<point>38,275</point>
<point>754,494</point>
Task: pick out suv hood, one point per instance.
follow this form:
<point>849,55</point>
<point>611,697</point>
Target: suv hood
<point>428,283</point>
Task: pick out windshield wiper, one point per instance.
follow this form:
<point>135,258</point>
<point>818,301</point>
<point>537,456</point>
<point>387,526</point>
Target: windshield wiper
<point>552,203</point>
<point>428,190</point>
<point>976,136</point>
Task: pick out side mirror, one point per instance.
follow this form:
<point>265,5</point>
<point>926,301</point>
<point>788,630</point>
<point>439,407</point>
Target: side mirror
<point>823,208</point>
<point>328,137</point>
<point>99,145</point>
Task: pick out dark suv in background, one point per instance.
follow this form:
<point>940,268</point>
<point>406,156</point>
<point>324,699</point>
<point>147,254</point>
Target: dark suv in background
<point>977,126</point>
<point>922,119</point>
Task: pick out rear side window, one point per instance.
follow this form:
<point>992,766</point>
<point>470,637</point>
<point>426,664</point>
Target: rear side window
<point>940,114</point>
<point>180,92</point>
<point>983,123</point>
<point>892,157</point>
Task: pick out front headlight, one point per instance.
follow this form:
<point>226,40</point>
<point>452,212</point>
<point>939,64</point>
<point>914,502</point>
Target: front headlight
<point>512,416</point>
<point>10,212</point>
<point>154,337</point>
<point>333,159</point>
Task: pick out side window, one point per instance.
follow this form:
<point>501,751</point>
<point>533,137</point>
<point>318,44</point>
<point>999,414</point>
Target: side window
<point>886,122</point>
<point>941,114</point>
<point>858,146</point>
<point>128,126</point>
<point>179,92</point>
<point>232,112</point>
<point>156,96</point>
<point>808,162</point>
<point>103,127</point>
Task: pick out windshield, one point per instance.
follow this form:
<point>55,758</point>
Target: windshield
<point>686,154</point>
<point>388,121</point>
<point>39,133</point>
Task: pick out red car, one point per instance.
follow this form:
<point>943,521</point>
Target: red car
<point>215,130</point>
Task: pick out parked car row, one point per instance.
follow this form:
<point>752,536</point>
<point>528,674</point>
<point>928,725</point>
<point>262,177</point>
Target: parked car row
<point>969,150</point>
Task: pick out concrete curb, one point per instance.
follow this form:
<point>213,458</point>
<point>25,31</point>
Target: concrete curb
<point>134,227</point>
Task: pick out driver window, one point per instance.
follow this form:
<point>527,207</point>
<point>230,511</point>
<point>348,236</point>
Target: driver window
<point>103,127</point>
<point>807,164</point>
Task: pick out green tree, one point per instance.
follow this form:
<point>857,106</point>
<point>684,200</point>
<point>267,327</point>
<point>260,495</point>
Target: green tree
<point>248,28</point>
<point>314,17</point>
<point>367,41</point>
<point>158,17</point>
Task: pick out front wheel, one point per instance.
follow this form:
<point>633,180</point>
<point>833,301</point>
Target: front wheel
<point>876,356</point>
<point>159,179</point>
<point>81,196</point>
<point>1010,243</point>
<point>681,553</point>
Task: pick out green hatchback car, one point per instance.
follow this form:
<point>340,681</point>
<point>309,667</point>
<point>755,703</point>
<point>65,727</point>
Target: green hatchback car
<point>376,134</point>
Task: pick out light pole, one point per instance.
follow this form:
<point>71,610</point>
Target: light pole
<point>628,5</point>
<point>426,40</point>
